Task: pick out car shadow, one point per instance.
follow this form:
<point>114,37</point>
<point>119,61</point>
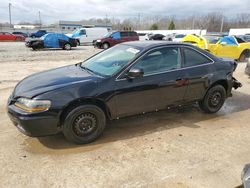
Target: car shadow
<point>136,126</point>
<point>58,49</point>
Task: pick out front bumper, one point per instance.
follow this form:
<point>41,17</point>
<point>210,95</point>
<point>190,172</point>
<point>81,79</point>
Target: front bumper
<point>37,124</point>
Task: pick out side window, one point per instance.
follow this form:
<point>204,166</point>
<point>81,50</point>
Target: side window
<point>116,35</point>
<point>193,58</point>
<point>133,34</point>
<point>160,60</point>
<point>82,32</point>
<point>124,34</point>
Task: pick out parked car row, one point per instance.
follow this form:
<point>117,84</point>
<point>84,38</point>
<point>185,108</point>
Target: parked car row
<point>5,36</point>
<point>157,36</point>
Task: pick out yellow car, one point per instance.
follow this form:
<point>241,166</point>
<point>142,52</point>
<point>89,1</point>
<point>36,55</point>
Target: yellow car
<point>228,46</point>
<point>197,40</point>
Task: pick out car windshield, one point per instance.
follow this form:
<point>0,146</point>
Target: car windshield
<point>111,60</point>
<point>75,32</point>
<point>179,36</point>
<point>107,34</point>
<point>212,39</point>
<point>42,37</point>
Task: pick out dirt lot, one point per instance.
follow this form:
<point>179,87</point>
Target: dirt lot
<point>177,148</point>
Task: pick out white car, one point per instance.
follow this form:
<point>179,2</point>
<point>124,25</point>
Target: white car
<point>144,36</point>
<point>178,37</point>
<point>88,35</point>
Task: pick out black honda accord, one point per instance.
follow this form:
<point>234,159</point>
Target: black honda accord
<point>127,79</point>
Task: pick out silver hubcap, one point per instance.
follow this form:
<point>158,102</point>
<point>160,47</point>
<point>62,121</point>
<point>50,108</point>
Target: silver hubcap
<point>67,47</point>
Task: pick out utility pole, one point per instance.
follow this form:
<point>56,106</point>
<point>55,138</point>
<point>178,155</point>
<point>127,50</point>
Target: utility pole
<point>139,21</point>
<point>10,14</point>
<point>40,20</point>
<point>222,24</point>
<point>193,23</point>
<point>106,20</point>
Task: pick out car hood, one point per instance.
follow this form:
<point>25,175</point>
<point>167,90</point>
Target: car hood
<point>46,81</point>
<point>33,39</point>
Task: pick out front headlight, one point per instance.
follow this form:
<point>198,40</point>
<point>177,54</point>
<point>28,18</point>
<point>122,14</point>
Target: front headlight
<point>32,105</point>
<point>98,40</point>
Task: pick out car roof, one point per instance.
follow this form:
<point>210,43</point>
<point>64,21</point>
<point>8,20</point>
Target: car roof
<point>151,43</point>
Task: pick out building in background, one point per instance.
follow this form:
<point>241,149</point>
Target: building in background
<point>69,26</point>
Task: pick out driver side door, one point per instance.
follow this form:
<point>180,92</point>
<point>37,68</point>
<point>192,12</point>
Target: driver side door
<point>156,89</point>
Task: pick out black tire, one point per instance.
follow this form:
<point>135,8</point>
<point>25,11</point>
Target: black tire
<point>213,100</point>
<point>105,45</point>
<point>84,124</point>
<point>243,57</point>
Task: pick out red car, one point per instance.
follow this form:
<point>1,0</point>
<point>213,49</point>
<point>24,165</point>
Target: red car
<point>114,38</point>
<point>5,36</point>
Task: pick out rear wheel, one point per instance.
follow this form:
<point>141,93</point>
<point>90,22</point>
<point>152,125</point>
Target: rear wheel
<point>67,46</point>
<point>214,99</point>
<point>84,124</point>
<point>244,56</point>
<point>105,45</point>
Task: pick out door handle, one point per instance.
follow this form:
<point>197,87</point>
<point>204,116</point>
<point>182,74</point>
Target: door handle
<point>181,81</point>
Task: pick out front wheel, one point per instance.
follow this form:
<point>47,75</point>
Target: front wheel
<point>105,45</point>
<point>84,124</point>
<point>213,100</point>
<point>67,46</point>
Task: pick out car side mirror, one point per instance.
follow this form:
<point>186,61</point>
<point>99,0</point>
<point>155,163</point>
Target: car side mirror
<point>135,73</point>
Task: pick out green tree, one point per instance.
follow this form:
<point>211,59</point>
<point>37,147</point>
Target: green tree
<point>154,27</point>
<point>171,25</point>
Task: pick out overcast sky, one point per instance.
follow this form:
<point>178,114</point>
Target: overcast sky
<point>54,10</point>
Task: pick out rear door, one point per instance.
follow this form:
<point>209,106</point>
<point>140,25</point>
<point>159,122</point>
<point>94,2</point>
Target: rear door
<point>51,41</point>
<point>198,71</point>
<point>125,36</point>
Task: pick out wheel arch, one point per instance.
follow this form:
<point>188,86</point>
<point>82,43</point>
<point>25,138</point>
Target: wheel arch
<point>245,51</point>
<point>221,82</point>
<point>105,42</point>
<point>78,102</point>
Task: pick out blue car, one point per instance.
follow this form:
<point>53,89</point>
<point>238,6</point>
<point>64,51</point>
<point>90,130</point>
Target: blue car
<point>52,40</point>
<point>38,34</point>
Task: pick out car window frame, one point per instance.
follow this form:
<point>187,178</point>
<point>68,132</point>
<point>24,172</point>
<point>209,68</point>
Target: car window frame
<point>121,75</point>
<point>125,32</point>
<point>155,73</point>
<point>204,55</point>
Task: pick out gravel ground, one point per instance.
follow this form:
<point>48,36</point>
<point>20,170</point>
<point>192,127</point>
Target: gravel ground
<point>178,148</point>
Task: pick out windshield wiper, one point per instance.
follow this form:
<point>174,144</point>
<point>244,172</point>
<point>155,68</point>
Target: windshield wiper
<point>87,69</point>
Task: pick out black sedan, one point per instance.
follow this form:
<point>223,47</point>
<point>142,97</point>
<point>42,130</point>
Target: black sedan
<point>156,37</point>
<point>127,79</point>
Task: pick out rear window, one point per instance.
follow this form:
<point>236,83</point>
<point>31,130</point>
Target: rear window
<point>193,58</point>
<point>133,34</point>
